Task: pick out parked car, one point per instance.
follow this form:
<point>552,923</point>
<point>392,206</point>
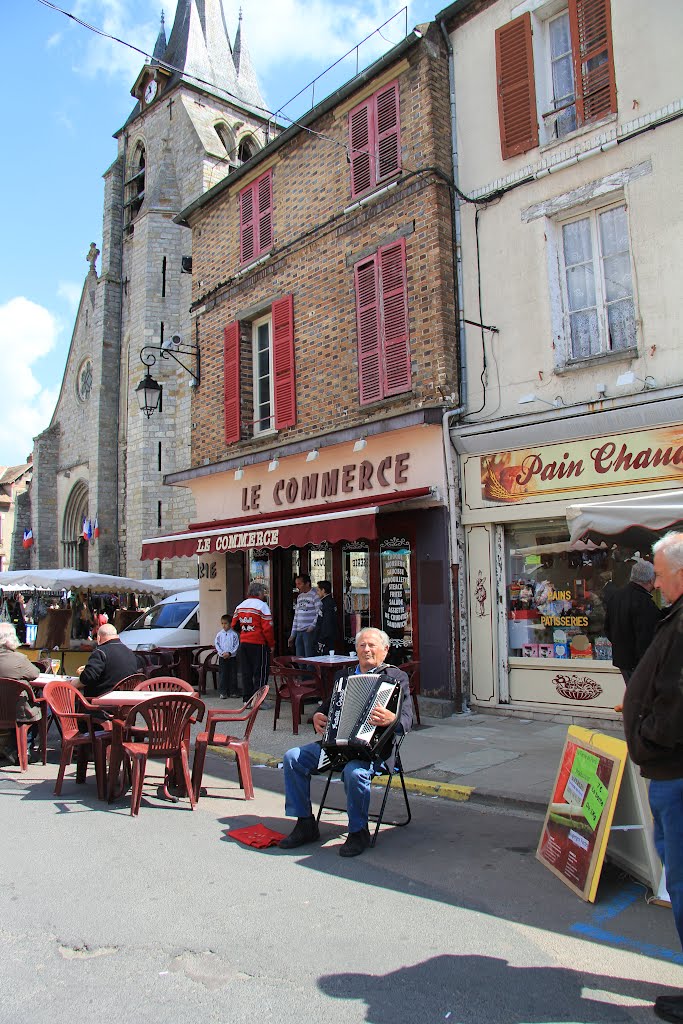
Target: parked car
<point>174,622</point>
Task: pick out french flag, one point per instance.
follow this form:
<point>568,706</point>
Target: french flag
<point>87,529</point>
<point>28,539</point>
<point>96,531</point>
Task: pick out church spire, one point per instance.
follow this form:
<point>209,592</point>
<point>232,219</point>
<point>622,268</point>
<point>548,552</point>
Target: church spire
<point>160,45</point>
<point>247,82</point>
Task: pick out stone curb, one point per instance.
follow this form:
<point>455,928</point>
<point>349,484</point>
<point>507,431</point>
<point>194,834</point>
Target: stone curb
<point>426,787</point>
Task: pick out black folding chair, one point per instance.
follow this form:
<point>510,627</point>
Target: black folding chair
<point>378,816</point>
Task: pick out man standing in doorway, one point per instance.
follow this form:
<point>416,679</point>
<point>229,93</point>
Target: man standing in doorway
<point>302,637</point>
<point>653,724</point>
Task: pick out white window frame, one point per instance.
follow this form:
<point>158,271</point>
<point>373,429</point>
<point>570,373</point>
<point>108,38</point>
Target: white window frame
<point>256,324</point>
<point>559,298</point>
<point>542,13</point>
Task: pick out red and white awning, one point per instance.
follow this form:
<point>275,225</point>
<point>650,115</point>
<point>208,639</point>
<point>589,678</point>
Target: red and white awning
<point>654,512</point>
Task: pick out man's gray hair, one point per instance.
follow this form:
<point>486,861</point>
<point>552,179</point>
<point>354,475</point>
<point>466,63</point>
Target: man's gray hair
<point>642,571</point>
<point>671,545</point>
<point>373,629</point>
<point>256,590</point>
<point>8,636</point>
<point>107,632</point>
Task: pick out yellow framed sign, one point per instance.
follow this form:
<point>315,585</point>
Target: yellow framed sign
<point>577,823</point>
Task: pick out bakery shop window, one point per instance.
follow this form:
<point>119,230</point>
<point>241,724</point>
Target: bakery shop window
<point>557,593</point>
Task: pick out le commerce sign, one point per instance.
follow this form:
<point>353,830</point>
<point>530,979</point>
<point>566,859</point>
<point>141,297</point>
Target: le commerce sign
<point>632,461</point>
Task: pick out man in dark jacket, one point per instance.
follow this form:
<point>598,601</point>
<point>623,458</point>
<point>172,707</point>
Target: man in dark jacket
<point>372,646</point>
<point>653,723</point>
<point>109,663</point>
<point>325,634</point>
<point>631,618</point>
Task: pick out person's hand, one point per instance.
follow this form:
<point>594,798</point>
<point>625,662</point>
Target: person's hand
<point>618,707</point>
<point>380,716</point>
<point>290,642</point>
<point>79,669</point>
<point>319,722</point>
<point>311,628</point>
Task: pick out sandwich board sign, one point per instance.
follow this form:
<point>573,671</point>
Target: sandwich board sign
<point>599,807</point>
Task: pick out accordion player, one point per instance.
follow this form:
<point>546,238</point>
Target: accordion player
<point>349,733</point>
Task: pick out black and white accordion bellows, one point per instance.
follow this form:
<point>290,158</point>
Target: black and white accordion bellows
<point>348,733</point>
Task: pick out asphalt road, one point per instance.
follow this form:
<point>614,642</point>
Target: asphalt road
<point>163,919</point>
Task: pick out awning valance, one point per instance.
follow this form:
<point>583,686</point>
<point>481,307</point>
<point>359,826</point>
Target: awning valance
<point>349,524</point>
<point>646,513</point>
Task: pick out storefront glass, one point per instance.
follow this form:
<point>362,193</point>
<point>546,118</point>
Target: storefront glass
<point>259,569</point>
<point>356,574</point>
<point>320,563</point>
<point>395,583</point>
<point>556,596</point>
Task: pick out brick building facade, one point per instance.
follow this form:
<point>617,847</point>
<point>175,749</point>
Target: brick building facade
<point>324,307</point>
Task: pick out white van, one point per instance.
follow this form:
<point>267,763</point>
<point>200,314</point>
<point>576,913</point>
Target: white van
<point>174,622</point>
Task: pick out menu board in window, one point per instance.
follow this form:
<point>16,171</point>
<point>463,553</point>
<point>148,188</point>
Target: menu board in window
<point>396,605</point>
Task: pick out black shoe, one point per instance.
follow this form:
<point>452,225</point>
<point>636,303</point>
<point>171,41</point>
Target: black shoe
<point>355,843</point>
<point>669,1008</point>
<point>305,831</point>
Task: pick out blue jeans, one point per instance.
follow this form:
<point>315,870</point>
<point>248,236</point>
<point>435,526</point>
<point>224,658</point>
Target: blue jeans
<point>304,644</point>
<point>666,803</point>
<point>300,762</point>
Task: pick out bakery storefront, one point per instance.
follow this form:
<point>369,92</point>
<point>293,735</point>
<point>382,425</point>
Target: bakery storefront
<point>372,521</point>
<point>536,594</point>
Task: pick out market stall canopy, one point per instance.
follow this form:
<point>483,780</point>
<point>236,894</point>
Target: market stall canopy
<point>636,520</point>
<point>74,579</point>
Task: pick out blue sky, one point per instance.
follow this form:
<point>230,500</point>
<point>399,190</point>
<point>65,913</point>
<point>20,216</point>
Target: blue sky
<point>66,92</point>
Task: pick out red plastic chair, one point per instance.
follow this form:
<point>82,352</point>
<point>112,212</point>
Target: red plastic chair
<point>240,744</point>
<point>293,685</point>
<point>130,682</point>
<point>412,670</point>
<point>70,707</point>
<point>209,665</point>
<point>162,683</point>
<point>10,691</point>
<point>198,656</point>
<point>167,719</point>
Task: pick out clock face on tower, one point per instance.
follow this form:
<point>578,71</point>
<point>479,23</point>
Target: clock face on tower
<point>150,91</point>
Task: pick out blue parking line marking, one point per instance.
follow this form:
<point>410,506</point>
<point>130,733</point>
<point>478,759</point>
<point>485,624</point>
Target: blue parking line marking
<point>608,911</point>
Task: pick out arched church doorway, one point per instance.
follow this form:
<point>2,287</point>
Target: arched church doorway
<point>74,545</point>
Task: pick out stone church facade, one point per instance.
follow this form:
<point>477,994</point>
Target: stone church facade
<point>199,113</point>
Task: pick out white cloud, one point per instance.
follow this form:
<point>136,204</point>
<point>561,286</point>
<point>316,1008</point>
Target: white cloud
<point>71,291</point>
<point>28,332</point>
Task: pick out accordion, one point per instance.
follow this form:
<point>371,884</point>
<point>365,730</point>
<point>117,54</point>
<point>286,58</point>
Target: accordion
<point>348,733</point>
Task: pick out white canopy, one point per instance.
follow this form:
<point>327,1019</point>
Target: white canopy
<point>74,579</point>
<point>653,512</point>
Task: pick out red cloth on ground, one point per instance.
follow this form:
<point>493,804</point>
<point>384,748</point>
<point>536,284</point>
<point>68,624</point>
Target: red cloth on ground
<point>255,835</point>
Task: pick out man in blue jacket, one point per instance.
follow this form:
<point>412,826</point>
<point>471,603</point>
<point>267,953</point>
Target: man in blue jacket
<point>109,663</point>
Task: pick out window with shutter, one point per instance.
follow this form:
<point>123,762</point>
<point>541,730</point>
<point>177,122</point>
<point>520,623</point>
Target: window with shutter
<point>231,383</point>
<point>596,93</point>
<point>375,139</point>
<point>283,362</point>
<point>382,324</point>
<point>516,87</point>
<point>256,218</point>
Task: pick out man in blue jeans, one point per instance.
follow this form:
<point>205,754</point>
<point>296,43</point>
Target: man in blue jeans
<point>653,723</point>
<point>372,646</point>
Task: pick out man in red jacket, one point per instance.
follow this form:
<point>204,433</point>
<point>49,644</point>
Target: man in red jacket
<point>253,621</point>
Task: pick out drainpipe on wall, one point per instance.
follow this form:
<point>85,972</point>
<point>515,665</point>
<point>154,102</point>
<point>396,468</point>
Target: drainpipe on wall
<point>456,546</point>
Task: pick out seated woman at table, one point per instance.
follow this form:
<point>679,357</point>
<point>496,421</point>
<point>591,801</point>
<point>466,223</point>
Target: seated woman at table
<point>14,665</point>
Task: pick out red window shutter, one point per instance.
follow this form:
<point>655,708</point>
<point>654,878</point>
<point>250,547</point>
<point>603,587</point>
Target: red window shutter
<point>263,188</point>
<point>247,240</point>
<point>394,318</point>
<point>362,148</point>
<point>283,362</point>
<point>368,325</point>
<point>591,29</point>
<point>388,124</point>
<point>516,87</point>
<point>231,382</point>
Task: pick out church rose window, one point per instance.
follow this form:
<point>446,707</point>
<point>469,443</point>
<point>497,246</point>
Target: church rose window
<point>84,380</point>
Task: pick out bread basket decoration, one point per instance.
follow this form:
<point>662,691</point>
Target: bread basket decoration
<point>574,687</point>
